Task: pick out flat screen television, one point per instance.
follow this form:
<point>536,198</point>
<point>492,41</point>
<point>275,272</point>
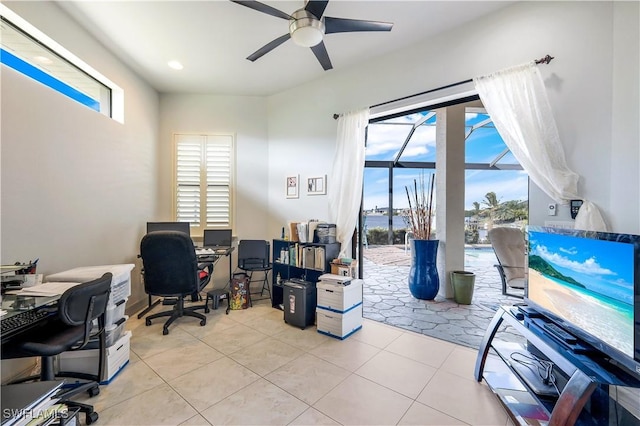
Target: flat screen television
<point>169,226</point>
<point>589,283</point>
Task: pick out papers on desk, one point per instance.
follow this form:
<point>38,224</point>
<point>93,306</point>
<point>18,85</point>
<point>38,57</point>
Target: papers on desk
<point>208,251</point>
<point>46,289</point>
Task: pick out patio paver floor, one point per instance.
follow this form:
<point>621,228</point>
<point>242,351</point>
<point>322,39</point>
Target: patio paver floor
<point>386,298</point>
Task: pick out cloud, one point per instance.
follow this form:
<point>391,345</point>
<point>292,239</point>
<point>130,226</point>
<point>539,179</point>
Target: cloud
<point>588,266</point>
<point>508,185</point>
<point>571,251</point>
<point>388,139</point>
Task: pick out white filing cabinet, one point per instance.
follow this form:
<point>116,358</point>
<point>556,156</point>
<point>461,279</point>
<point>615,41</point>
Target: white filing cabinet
<point>117,340</point>
<point>339,308</point>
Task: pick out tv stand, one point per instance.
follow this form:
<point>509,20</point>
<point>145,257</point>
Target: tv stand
<point>518,395</point>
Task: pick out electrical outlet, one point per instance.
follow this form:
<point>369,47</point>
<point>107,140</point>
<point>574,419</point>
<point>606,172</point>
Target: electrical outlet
<point>551,209</point>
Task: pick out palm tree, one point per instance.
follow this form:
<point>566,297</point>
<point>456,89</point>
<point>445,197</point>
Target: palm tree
<point>476,209</point>
<point>514,210</point>
<point>492,202</point>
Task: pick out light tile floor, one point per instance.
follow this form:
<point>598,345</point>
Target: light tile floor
<point>250,368</point>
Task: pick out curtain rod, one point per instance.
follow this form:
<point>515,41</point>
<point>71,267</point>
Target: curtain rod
<point>545,60</point>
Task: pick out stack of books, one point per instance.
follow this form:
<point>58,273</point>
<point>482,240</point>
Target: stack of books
<point>303,256</point>
<point>33,404</point>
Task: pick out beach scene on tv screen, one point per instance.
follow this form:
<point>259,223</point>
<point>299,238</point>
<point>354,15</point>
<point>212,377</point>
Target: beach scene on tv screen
<point>587,282</point>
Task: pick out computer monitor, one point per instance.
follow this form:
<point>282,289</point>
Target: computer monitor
<point>169,226</point>
<point>217,238</point>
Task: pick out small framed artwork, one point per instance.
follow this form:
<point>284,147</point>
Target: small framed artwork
<point>317,185</point>
<point>293,182</point>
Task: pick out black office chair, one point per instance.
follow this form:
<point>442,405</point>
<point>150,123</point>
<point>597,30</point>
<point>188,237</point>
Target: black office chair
<point>171,270</point>
<point>71,329</point>
<point>254,256</point>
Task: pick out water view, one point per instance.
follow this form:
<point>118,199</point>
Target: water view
<point>380,221</point>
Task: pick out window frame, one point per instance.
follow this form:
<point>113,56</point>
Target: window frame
<point>198,230</point>
<point>115,109</point>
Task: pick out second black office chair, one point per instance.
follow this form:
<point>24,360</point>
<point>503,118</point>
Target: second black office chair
<point>171,270</point>
<point>253,256</point>
<point>72,329</point>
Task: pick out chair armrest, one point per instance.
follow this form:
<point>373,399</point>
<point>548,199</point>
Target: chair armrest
<point>500,266</point>
<point>205,265</point>
<point>513,267</point>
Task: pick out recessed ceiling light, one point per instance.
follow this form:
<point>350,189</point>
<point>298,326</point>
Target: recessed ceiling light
<point>42,60</point>
<point>175,65</point>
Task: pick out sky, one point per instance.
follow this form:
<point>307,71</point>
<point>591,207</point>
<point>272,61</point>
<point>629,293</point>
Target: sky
<point>606,267</point>
<point>482,146</point>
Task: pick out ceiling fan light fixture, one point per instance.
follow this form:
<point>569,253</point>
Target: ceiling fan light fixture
<point>305,29</point>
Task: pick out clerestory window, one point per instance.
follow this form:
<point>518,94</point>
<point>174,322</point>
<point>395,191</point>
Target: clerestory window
<point>30,52</point>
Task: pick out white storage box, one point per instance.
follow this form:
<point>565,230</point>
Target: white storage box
<point>339,325</point>
<point>86,361</point>
<point>337,297</point>
<point>115,312</point>
<point>115,331</point>
<point>120,284</point>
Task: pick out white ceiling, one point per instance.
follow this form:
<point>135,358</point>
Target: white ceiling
<point>212,39</point>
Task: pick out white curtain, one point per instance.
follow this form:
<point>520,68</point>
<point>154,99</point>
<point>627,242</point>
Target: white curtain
<point>517,102</point>
<point>345,181</point>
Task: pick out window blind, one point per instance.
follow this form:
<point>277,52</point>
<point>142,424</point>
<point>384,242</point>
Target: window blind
<point>204,171</point>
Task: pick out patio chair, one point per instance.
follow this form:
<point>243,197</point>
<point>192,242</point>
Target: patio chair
<point>509,246</point>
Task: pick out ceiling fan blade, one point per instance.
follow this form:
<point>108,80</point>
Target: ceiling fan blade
<point>261,7</point>
<point>343,25</point>
<point>316,7</point>
<point>268,47</point>
<point>323,57</point>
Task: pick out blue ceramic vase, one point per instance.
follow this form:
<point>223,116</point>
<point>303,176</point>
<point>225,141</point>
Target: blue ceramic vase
<point>424,282</point>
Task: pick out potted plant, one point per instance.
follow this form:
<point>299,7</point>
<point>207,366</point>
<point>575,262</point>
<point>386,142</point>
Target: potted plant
<point>424,282</point>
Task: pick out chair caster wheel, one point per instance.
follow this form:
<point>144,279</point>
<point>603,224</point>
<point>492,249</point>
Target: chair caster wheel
<point>165,331</point>
<point>91,418</point>
<point>203,322</point>
<point>94,391</point>
<point>147,322</point>
<point>207,310</point>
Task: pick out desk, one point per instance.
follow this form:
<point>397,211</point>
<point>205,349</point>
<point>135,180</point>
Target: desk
<point>10,303</point>
<point>208,255</point>
<point>203,255</point>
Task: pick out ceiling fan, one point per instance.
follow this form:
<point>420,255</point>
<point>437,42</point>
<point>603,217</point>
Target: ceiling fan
<point>307,28</point>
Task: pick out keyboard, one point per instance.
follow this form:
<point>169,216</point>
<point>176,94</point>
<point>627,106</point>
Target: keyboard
<point>18,323</point>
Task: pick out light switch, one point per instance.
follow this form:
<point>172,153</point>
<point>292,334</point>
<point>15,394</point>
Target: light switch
<point>551,209</point>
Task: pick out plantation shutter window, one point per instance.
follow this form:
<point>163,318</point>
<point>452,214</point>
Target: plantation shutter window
<point>204,171</point>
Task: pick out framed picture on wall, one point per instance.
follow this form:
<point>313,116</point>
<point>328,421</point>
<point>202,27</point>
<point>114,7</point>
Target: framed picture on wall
<point>317,185</point>
<point>293,182</point>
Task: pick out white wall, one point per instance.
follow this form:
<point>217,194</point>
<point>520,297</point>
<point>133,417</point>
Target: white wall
<point>77,187</point>
<point>243,116</point>
<point>246,118</point>
<point>592,86</point>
